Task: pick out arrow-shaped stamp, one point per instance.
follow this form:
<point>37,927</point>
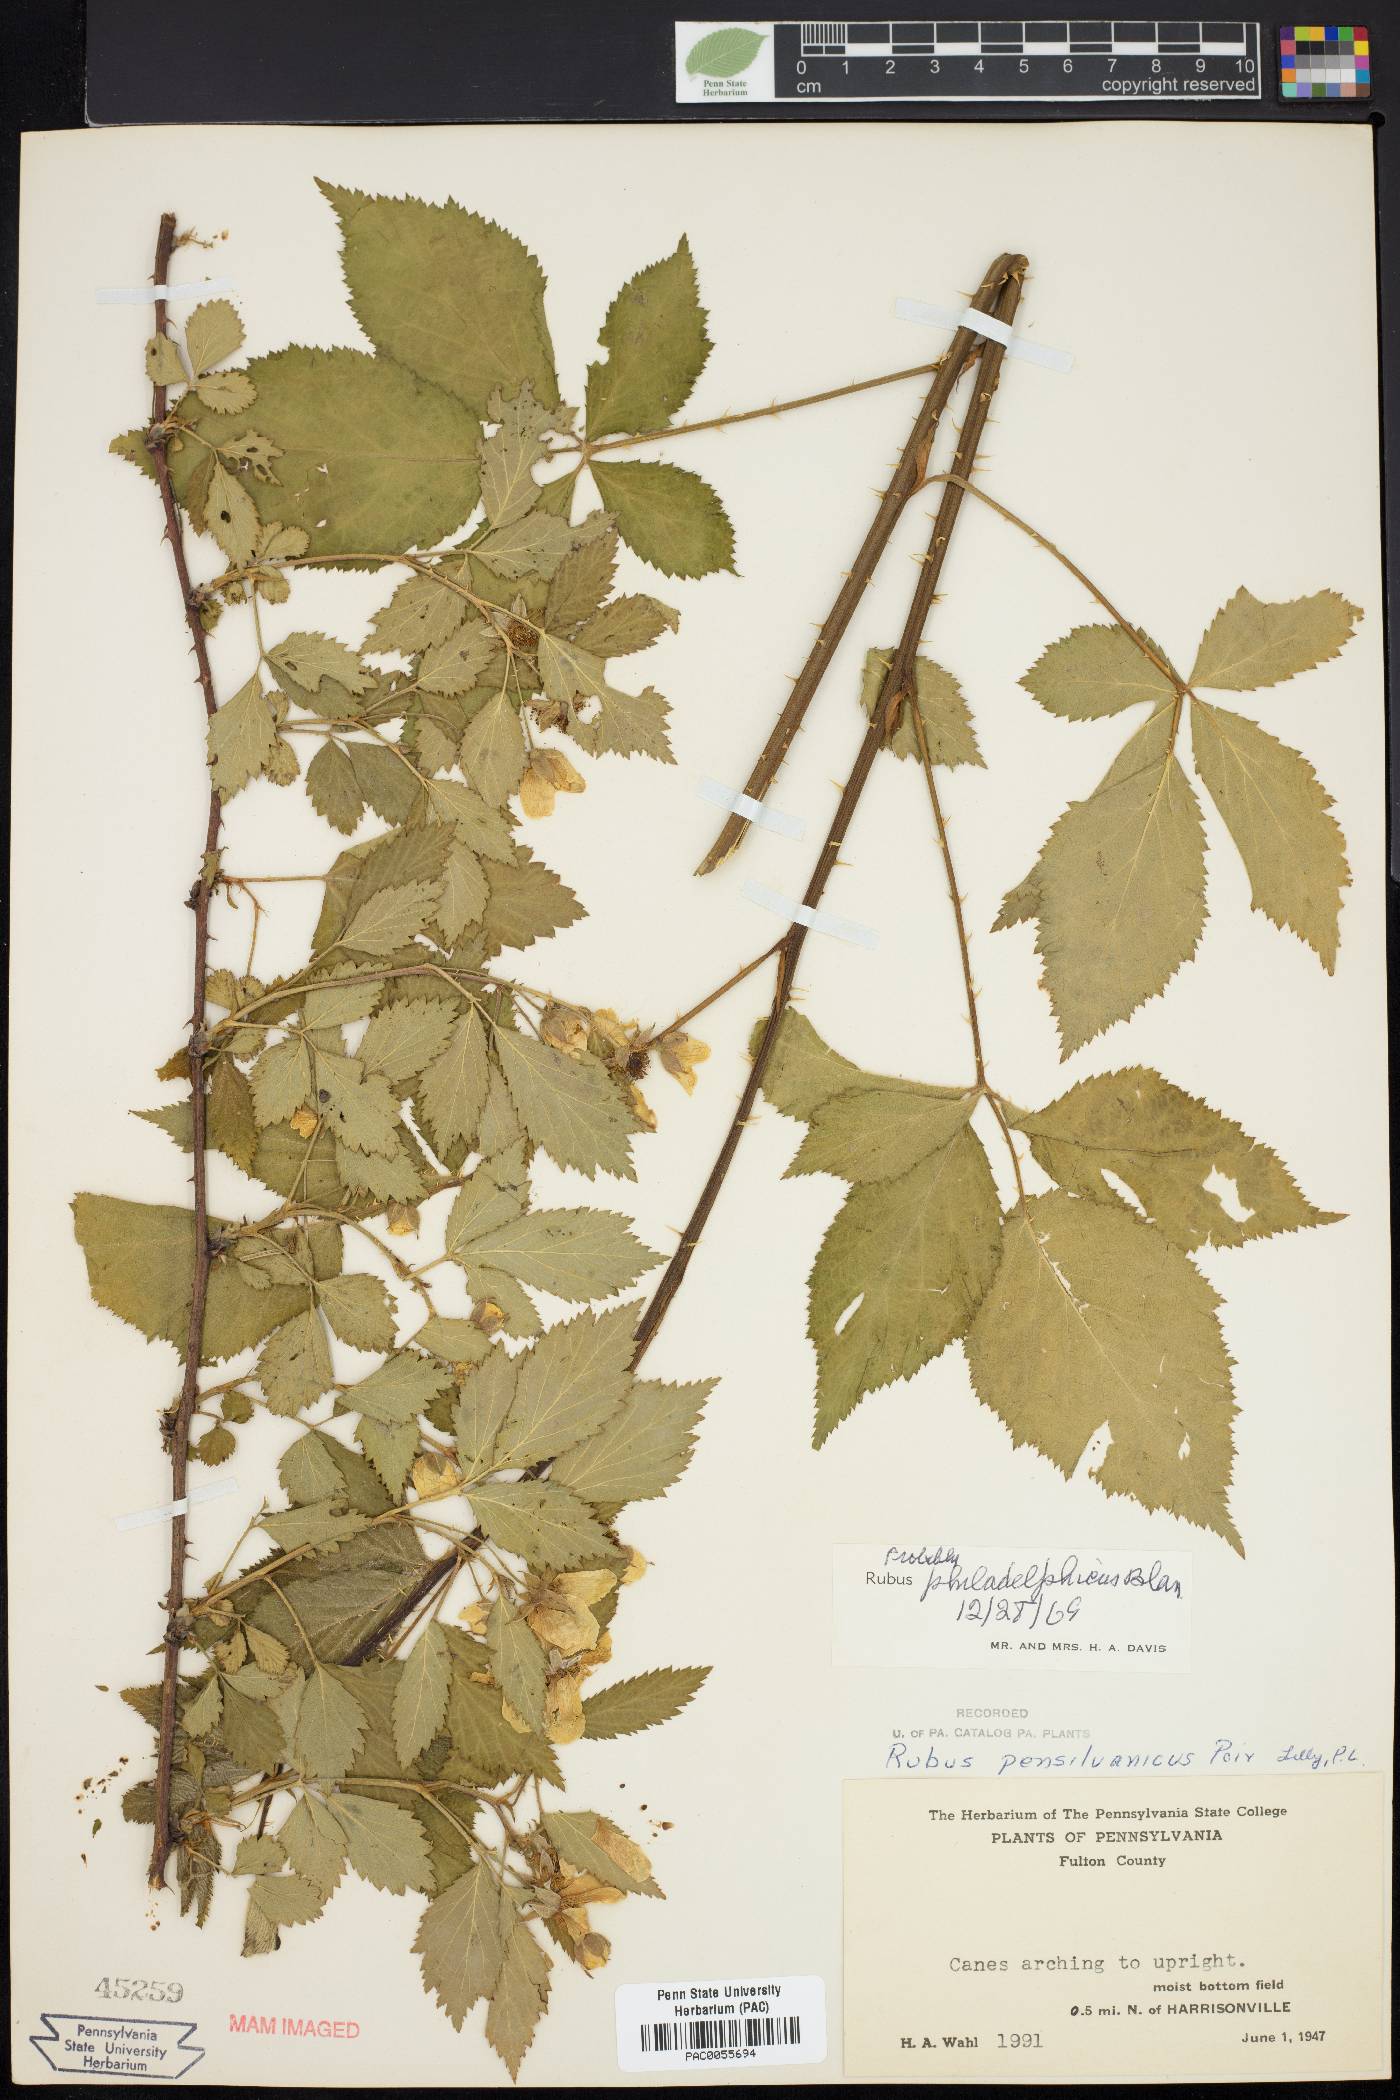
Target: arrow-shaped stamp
<point>93,2045</point>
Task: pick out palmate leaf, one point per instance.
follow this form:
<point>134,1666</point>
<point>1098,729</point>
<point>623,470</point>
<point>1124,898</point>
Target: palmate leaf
<point>371,456</point>
<point>910,1254</point>
<point>1094,1320</point>
<point>1167,1147</point>
<point>448,294</point>
<point>657,345</point>
<point>1280,818</point>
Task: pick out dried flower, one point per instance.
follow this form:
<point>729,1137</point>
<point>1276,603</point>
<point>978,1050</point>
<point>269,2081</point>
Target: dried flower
<point>680,1053</point>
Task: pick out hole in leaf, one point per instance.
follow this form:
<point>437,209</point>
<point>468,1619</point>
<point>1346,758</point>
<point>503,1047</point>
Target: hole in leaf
<point>849,1314</point>
<point>1120,1188</point>
<point>1227,1195</point>
<point>1094,1453</point>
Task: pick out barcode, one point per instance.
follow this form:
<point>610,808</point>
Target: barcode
<point>664,2036</point>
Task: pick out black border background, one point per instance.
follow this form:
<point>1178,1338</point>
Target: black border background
<point>64,63</point>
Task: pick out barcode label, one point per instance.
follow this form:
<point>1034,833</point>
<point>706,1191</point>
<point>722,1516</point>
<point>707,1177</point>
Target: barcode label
<point>696,2026</point>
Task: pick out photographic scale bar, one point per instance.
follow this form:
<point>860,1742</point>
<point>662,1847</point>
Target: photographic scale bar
<point>1064,61</point>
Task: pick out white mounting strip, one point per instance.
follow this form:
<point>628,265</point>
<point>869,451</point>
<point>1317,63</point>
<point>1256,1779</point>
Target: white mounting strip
<point>145,294</point>
<point>987,325</point>
<point>804,915</point>
<point>744,806</point>
<point>169,1510</point>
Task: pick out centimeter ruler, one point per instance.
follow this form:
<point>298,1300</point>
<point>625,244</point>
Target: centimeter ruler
<point>938,61</point>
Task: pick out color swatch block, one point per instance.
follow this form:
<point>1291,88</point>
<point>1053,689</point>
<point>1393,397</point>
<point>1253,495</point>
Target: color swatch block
<point>1321,62</point>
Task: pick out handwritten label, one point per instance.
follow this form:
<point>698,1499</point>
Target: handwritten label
<point>1000,1607</point>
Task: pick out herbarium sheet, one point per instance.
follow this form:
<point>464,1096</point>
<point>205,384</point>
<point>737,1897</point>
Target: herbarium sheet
<point>700,1348</point>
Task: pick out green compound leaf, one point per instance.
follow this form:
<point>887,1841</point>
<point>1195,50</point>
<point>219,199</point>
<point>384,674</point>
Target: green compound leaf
<point>1095,670</point>
<point>1250,643</point>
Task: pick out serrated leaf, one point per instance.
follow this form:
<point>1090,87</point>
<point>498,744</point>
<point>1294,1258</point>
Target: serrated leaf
<point>420,1697</point>
<point>421,612</point>
<point>164,364</point>
<point>528,546</point>
<point>577,1255</point>
<point>518,1996</point>
<point>459,1943</point>
<point>404,1037</point>
<point>314,1842</point>
<point>485,1747</point>
<point>386,1844</point>
<point>212,333</point>
<point>392,918</point>
<point>452,1091</point>
<point>464,893</point>
<point>581,582</point>
<point>1122,888</point>
<point>227,393</point>
<point>368,455</point>
<point>627,724</point>
<point>1280,817</point>
<point>281,1080</point>
<point>456,1341</point>
<point>1096,1320</point>
<point>803,1070</point>
<point>654,334</point>
<point>569,1106</point>
<point>140,1260</point>
<point>258,1855</point>
<point>626,625</point>
<point>511,453</point>
<point>947,725</point>
<point>723,53</point>
<point>360,1107</point>
<point>1168,1148</point>
<point>1096,670</point>
<point>399,1390</point>
<point>330,1727</point>
<point>900,1273</point>
<point>334,791</point>
<point>527,903</point>
<point>202,1713</point>
<point>360,1311</point>
<point>310,659</point>
<point>590,1843</point>
<point>241,737</point>
<point>475,822</point>
<point>875,1131</point>
<point>493,752</point>
<point>1020,904</point>
<point>252,1732</point>
<point>231,515</point>
<point>568,1384</point>
<point>230,1123</point>
<point>399,859</point>
<point>667,515</point>
<point>275,1901</point>
<point>1251,643</point>
<point>482,1405</point>
<point>453,666</point>
<point>449,294</point>
<point>295,1366</point>
<point>544,1524</point>
<point>312,1524</point>
<point>517,1661</point>
<point>307,1471</point>
<point>640,1702</point>
<point>642,1448</point>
